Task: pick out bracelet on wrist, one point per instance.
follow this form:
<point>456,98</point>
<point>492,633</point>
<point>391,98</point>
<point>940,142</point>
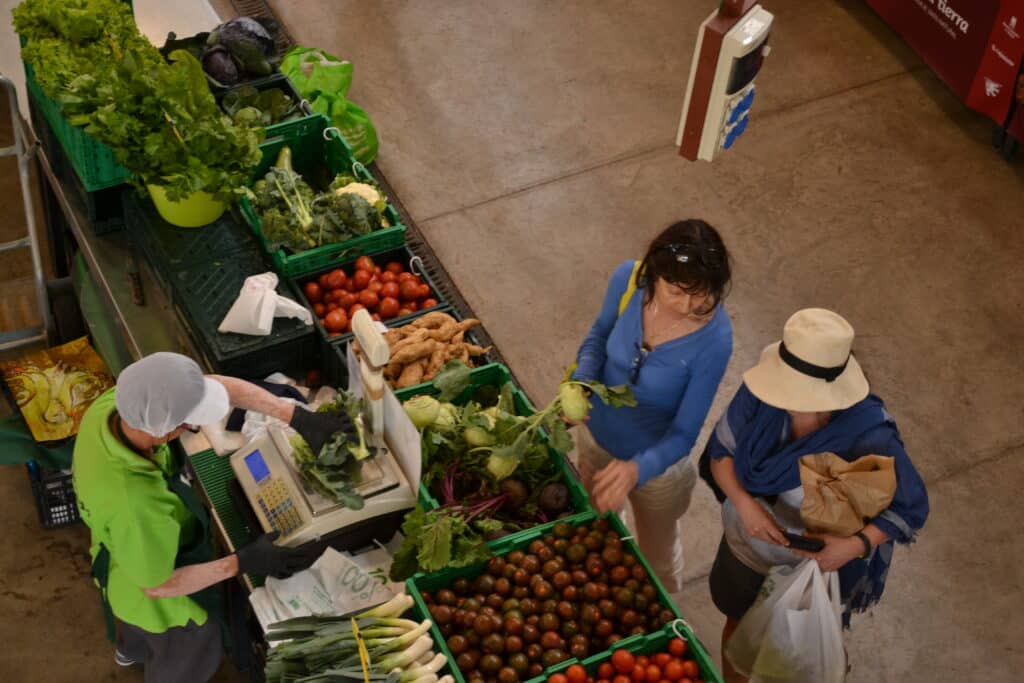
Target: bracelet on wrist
<point>867,543</point>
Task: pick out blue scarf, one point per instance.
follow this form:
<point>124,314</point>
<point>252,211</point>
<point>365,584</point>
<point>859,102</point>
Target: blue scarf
<point>765,470</point>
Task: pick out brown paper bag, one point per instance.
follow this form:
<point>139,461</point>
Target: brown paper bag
<point>839,496</point>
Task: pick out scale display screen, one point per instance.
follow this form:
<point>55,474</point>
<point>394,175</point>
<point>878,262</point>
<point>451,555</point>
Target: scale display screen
<point>257,466</point>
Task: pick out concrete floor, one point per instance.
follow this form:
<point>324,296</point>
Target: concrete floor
<point>532,141</point>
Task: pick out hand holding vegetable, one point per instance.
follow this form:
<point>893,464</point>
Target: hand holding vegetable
<point>613,484</point>
<point>318,428</point>
<point>263,558</point>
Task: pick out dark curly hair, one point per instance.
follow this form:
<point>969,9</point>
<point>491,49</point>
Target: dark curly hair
<point>691,255</point>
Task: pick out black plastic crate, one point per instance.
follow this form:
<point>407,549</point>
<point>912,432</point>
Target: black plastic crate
<point>280,82</point>
<point>204,294</point>
<point>170,249</point>
<point>56,502</point>
<point>103,208</point>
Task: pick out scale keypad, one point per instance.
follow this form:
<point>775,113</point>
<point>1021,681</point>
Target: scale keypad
<point>277,506</point>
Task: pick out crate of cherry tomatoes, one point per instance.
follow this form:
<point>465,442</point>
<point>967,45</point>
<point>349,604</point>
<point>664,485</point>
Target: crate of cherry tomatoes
<point>393,286</point>
<point>554,594</point>
<point>672,655</point>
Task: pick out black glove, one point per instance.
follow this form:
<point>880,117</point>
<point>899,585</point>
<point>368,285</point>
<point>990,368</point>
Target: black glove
<point>263,558</point>
<point>318,428</point>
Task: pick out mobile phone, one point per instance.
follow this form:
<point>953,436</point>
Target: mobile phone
<point>811,545</point>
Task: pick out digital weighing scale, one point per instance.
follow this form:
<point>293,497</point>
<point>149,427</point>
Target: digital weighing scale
<point>388,481</point>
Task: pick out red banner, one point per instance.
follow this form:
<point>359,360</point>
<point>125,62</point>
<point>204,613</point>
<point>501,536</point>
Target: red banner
<point>975,46</point>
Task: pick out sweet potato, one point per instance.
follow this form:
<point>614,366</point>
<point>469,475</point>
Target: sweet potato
<point>432,320</point>
<point>467,324</point>
<point>411,375</point>
<point>437,359</point>
<point>444,332</point>
<point>413,352</point>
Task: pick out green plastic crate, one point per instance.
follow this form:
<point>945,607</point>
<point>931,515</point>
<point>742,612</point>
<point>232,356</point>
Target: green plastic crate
<point>281,82</point>
<point>651,643</point>
<point>444,578</point>
<point>496,375</point>
<point>93,161</point>
<point>319,154</point>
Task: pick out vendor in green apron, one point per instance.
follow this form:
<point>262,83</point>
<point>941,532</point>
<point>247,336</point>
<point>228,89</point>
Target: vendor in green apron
<point>151,549</point>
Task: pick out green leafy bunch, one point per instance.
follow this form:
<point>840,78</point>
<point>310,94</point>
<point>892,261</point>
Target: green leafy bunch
<point>249,106</point>
<point>159,118</point>
<point>439,539</point>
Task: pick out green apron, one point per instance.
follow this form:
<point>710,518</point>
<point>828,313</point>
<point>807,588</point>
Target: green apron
<point>200,550</point>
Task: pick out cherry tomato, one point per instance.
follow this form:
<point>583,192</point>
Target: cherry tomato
<point>394,267</point>
<point>335,320</point>
<point>377,270</point>
<point>606,670</point>
<point>576,674</point>
<point>623,661</point>
<point>390,289</point>
<point>319,310</point>
<point>677,647</point>
<point>336,278</point>
<point>353,309</point>
<point>322,281</point>
<point>388,276</point>
<point>361,278</point>
<point>404,311</point>
<point>662,658</point>
<point>409,291</point>
<point>643,661</point>
<point>690,669</point>
<point>375,286</point>
<point>621,679</point>
<point>428,303</point>
<point>365,263</point>
<point>368,298</point>
<point>375,316</point>
<point>347,299</point>
<point>652,674</point>
<point>673,670</point>
<point>423,292</point>
<point>411,305</point>
<point>350,285</point>
<point>639,674</point>
<point>388,307</point>
<point>557,678</point>
<point>405,276</point>
<point>331,307</point>
<point>313,292</point>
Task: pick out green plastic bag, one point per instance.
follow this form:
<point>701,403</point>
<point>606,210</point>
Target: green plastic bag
<point>323,80</point>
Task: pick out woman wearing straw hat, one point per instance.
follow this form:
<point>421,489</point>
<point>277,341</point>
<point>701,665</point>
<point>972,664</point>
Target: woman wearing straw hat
<point>807,395</point>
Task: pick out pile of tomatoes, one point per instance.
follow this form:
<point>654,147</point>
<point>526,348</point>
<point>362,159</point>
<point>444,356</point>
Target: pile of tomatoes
<point>386,292</point>
<point>625,667</point>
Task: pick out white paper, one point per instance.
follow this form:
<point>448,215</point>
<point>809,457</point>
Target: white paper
<point>257,305</point>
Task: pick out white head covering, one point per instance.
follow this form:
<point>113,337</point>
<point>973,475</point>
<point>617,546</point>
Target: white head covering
<point>164,391</point>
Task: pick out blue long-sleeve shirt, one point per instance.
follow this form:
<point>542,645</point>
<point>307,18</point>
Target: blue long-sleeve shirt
<point>674,387</point>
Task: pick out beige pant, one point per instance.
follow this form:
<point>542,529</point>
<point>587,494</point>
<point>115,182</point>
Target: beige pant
<point>657,506</point>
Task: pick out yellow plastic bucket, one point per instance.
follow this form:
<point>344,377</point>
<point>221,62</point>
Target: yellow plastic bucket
<point>195,211</point>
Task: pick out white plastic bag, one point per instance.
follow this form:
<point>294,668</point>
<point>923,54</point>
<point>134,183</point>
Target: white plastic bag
<point>257,305</point>
<point>793,633</point>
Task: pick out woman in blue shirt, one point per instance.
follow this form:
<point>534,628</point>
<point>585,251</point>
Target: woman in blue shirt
<point>663,331</point>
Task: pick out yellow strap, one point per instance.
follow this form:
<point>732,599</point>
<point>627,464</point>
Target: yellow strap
<point>364,656</point>
<point>623,303</point>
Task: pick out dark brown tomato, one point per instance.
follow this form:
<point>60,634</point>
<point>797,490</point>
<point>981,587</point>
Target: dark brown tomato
<point>534,651</point>
<point>561,580</point>
<point>531,634</point>
<point>571,593</point>
<point>457,644</point>
<point>550,568</point>
<point>551,640</point>
<point>445,597</point>
<point>513,644</point>
<point>490,664</point>
<point>515,557</point>
<point>528,606</point>
<point>536,669</point>
<point>468,660</point>
<point>531,564</point>
<point>618,575</point>
<point>535,546</point>
<point>570,628</point>
<point>520,592</point>
<point>552,657</point>
<point>549,621</point>
<point>502,586</point>
<point>495,566</point>
<point>493,644</point>
<point>483,626</point>
<point>566,610</point>
<point>639,573</point>
<point>603,628</point>
<point>495,600</point>
<point>579,577</point>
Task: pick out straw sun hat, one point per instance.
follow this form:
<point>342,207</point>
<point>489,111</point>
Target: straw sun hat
<point>812,368</point>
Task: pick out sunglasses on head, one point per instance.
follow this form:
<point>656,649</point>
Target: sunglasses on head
<point>709,257</point>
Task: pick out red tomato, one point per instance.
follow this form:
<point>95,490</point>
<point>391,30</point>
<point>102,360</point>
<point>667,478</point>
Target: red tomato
<point>361,278</point>
<point>606,670</point>
<point>347,299</point>
<point>368,298</point>
<point>423,292</point>
<point>406,276</point>
<point>376,270</point>
<point>623,661</point>
<point>330,307</point>
<point>576,674</point>
<point>375,316</point>
<point>388,276</point>
<point>394,267</point>
<point>336,278</point>
<point>322,281</point>
<point>409,291</point>
<point>375,286</point>
<point>621,679</point>
<point>390,289</point>
<point>662,658</point>
<point>677,647</point>
<point>403,311</point>
<point>313,292</point>
<point>690,669</point>
<point>319,310</point>
<point>557,678</point>
<point>388,307</point>
<point>335,321</point>
<point>643,661</point>
<point>639,674</point>
<point>652,674</point>
<point>411,305</point>
<point>364,263</point>
<point>428,303</point>
<point>353,309</point>
<point>673,670</point>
